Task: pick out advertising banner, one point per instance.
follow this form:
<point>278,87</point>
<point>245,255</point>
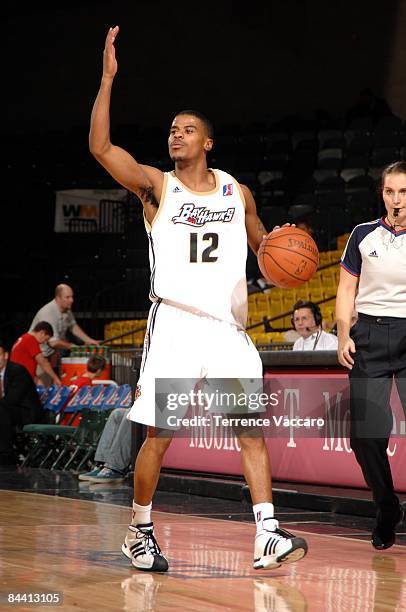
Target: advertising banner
<point>306,429</point>
<point>81,204</point>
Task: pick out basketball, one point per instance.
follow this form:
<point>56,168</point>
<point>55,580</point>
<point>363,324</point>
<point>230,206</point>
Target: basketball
<point>288,257</point>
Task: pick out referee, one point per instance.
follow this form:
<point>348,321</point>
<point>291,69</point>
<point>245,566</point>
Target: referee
<point>374,349</point>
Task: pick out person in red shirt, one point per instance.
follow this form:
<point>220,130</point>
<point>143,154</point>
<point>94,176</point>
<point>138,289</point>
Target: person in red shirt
<point>27,351</point>
<point>94,368</point>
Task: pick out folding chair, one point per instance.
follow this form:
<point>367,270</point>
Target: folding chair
<point>125,399</point>
<point>80,399</point>
<point>83,442</point>
<point>42,437</point>
<point>87,401</point>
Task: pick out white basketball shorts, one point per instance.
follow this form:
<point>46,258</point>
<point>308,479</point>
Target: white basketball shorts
<point>181,345</point>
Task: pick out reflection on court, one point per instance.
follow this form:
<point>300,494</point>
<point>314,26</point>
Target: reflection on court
<point>54,544</point>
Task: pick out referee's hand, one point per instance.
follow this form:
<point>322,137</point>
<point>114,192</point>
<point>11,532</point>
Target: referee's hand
<point>345,348</point>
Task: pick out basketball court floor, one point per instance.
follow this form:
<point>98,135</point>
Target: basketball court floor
<point>61,539</point>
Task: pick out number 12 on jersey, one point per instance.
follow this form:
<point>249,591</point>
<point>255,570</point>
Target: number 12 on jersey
<point>206,254</point>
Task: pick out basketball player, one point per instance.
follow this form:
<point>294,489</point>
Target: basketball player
<point>374,349</point>
<point>198,221</point>
<point>307,320</point>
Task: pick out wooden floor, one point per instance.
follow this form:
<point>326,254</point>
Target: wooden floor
<point>53,544</point>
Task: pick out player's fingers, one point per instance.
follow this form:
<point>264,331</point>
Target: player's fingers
<point>114,32</point>
<point>111,34</point>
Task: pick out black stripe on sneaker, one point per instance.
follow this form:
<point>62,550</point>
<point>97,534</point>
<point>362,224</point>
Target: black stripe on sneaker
<point>267,547</point>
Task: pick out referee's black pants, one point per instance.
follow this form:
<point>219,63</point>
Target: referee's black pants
<point>380,356</point>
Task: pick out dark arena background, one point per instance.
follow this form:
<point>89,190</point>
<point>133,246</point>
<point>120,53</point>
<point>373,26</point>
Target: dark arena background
<point>308,102</point>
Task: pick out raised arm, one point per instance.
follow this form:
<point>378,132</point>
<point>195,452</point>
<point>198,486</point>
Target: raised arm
<point>345,300</point>
<point>145,181</point>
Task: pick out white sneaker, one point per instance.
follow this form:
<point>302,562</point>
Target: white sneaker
<point>142,548</point>
<point>274,546</point>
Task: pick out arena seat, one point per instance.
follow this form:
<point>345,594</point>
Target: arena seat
<point>66,446</point>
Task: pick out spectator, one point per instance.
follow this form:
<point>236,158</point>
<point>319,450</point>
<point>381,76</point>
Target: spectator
<point>19,404</point>
<point>113,453</point>
<point>307,321</point>
<point>94,368</point>
<point>27,351</point>
<point>58,313</point>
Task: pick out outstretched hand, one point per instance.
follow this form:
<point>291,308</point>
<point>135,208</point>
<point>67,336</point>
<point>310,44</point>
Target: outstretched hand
<point>109,54</point>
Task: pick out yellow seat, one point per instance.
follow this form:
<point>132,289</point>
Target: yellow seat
<point>277,337</point>
<point>335,255</point>
<point>262,339</point>
<point>342,241</point>
<point>251,301</point>
<point>261,301</point>
<point>278,322</point>
<point>302,293</point>
<point>275,303</point>
<point>329,293</point>
<point>276,292</point>
<point>263,312</point>
<point>328,312</point>
<point>289,294</point>
<point>316,294</point>
<point>288,303</point>
<point>324,258</point>
<point>253,320</point>
<point>329,274</point>
<point>314,282</point>
<point>276,308</point>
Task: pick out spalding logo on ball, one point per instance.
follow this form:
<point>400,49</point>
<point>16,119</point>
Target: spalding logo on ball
<point>288,257</point>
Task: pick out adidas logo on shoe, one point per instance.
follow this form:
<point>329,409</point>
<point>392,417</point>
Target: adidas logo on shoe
<point>274,546</point>
<point>142,548</point>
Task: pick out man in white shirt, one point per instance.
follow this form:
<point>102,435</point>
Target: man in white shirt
<point>307,320</point>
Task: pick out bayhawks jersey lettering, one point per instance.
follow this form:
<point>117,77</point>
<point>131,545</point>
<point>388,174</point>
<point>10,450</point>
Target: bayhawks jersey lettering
<point>198,248</point>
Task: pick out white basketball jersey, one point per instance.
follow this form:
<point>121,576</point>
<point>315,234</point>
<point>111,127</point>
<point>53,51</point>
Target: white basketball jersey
<point>198,248</point>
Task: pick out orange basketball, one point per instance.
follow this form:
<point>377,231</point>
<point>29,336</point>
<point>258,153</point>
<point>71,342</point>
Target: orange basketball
<point>288,257</point>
